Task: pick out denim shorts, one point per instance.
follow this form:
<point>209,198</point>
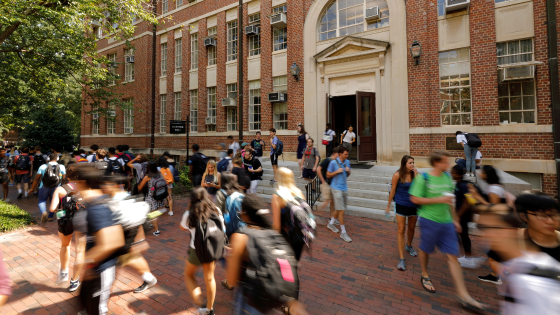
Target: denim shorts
<point>442,235</point>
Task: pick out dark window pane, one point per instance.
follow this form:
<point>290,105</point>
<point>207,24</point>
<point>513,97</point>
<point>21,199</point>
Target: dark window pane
<point>529,117</point>
<point>503,103</point>
<point>503,90</point>
<point>528,102</point>
<point>516,117</point>
<point>504,117</point>
<point>515,103</point>
<point>515,89</point>
<point>529,88</point>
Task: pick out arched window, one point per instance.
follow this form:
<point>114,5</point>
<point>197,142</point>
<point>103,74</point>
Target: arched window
<point>345,17</point>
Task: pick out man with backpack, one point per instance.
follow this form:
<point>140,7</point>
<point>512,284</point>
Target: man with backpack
<point>274,153</point>
<point>5,165</point>
<point>100,163</point>
<point>93,156</point>
<point>470,142</point>
<point>125,157</point>
<point>23,164</point>
<point>49,177</point>
<point>197,165</point>
<point>338,171</point>
<point>39,159</point>
<point>225,164</point>
<point>325,183</point>
<point>116,164</point>
<point>254,167</point>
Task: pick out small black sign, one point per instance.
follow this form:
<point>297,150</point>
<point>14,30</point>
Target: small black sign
<point>177,127</point>
<point>452,145</point>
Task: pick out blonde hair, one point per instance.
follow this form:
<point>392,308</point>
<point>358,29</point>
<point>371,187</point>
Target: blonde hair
<point>216,173</point>
<point>287,188</point>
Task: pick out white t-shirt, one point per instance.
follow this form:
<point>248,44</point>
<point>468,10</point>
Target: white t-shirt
<point>348,136</point>
<point>497,190</point>
<point>478,157</point>
<point>235,147</point>
<point>193,230</point>
<point>90,158</point>
<point>330,132</point>
<point>461,138</point>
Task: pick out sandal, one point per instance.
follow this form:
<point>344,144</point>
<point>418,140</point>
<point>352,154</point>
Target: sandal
<point>425,280</point>
<point>472,307</point>
<point>225,283</point>
<point>285,310</point>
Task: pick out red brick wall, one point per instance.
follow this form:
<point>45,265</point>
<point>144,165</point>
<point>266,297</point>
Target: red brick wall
<point>544,112</point>
<point>549,184</point>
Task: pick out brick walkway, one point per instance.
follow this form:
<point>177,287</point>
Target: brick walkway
<point>336,277</point>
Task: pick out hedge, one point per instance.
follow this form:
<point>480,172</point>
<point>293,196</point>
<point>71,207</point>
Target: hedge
<point>12,217</point>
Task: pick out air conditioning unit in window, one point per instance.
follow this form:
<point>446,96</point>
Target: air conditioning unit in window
<point>252,29</point>
<point>278,20</point>
<point>112,113</point>
<point>372,14</point>
<point>210,120</point>
<point>230,101</point>
<point>454,5</point>
<point>95,116</point>
<point>517,73</point>
<point>277,97</point>
<point>191,1</point>
<point>210,41</point>
<point>129,59</point>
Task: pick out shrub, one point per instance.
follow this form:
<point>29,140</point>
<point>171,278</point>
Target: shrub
<point>184,176</point>
<point>12,217</point>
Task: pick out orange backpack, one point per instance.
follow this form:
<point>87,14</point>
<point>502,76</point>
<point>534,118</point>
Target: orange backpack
<point>166,173</point>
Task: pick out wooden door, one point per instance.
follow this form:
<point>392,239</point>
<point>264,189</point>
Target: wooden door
<point>366,128</point>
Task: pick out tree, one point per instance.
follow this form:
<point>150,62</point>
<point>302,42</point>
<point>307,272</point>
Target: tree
<point>50,128</point>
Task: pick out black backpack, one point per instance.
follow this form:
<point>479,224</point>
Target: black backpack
<point>72,202</point>
<point>244,179</point>
<point>38,160</point>
<point>114,166</point>
<point>473,140</point>
<point>159,186</point>
<point>23,163</point>
<point>102,166</point>
<point>209,239</point>
<point>126,158</point>
<point>274,281</point>
<point>200,168</point>
<point>298,224</point>
<point>51,178</point>
<point>279,147</point>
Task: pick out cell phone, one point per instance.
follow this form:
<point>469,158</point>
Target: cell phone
<point>208,183</point>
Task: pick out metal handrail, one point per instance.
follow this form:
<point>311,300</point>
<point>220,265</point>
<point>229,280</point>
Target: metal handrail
<point>313,191</point>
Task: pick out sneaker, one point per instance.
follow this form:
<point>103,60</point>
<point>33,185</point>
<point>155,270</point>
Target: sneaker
<point>469,263</point>
<point>490,278</point>
<point>44,217</point>
<point>170,213</point>
<point>336,222</point>
<point>19,195</point>
<point>74,285</point>
<point>62,276</point>
<point>205,311</point>
<point>411,250</point>
<point>25,196</point>
<point>145,286</point>
<point>332,228</point>
<point>7,200</point>
<point>401,265</point>
<point>156,233</point>
<point>345,237</point>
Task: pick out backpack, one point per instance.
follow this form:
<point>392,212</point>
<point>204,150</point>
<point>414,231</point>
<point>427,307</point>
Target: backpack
<point>298,223</point>
<point>209,239</point>
<point>94,158</point>
<point>38,160</point>
<point>243,179</point>
<point>166,173</point>
<point>279,147</point>
<point>176,174</point>
<point>223,164</point>
<point>473,140</point>
<point>101,166</point>
<point>159,187</point>
<point>230,210</point>
<point>274,281</point>
<point>200,168</point>
<point>51,177</point>
<point>82,160</point>
<point>23,163</point>
<point>72,202</point>
<point>114,166</point>
<point>126,158</point>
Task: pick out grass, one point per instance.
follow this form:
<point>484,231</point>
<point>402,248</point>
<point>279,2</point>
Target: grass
<point>12,217</point>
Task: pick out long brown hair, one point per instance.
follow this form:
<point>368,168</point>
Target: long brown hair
<point>302,128</point>
<point>201,207</point>
<point>402,171</point>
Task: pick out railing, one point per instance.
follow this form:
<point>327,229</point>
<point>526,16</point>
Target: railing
<point>313,191</point>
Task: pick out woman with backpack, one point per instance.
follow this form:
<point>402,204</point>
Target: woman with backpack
<point>211,179</point>
<point>260,296</point>
<point>302,144</point>
<point>166,171</point>
<point>157,191</point>
<point>202,210</point>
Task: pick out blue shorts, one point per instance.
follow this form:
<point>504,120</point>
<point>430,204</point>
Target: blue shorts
<point>442,235</point>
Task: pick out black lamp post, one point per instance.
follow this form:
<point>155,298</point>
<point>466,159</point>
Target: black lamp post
<point>295,70</point>
<point>416,52</point>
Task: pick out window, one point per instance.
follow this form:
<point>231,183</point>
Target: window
<point>97,32</point>
<point>516,102</point>
<point>178,55</point>
<point>282,8</point>
<point>280,38</point>
<point>129,67</point>
<point>441,7</point>
<point>112,68</point>
<point>280,83</point>
<point>163,113</point>
<point>194,51</point>
<point>232,90</point>
<point>194,110</point>
<point>255,105</point>
<point>231,119</point>
<point>280,116</point>
<point>514,52</point>
<point>383,14</point>
<point>254,45</point>
<point>211,107</point>
<point>95,127</point>
<point>129,117</point>
<point>177,100</point>
<point>212,55</point>
<point>111,120</point>
<point>455,89</point>
<point>163,59</point>
<point>179,3</point>
<point>164,6</point>
<point>254,17</point>
<point>232,41</point>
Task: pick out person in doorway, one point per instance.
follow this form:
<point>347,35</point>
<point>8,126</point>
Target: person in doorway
<point>273,154</point>
<point>5,165</point>
<point>302,145</point>
<point>197,165</point>
<point>234,145</point>
<point>347,138</point>
<point>211,179</point>
<point>326,193</point>
<point>311,159</point>
<point>329,135</point>
<point>438,222</point>
<point>253,166</point>
<point>338,171</point>
<point>470,153</point>
<point>23,164</point>
<point>258,146</point>
<point>151,177</point>
<point>404,208</point>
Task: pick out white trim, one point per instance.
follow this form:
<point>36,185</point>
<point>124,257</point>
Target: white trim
<point>198,134</point>
<point>509,128</point>
<point>124,41</point>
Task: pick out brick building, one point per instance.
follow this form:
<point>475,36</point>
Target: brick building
<point>483,69</point>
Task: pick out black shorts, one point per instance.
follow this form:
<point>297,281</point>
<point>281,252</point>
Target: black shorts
<point>308,173</point>
<point>274,159</point>
<point>66,227</point>
<point>4,178</point>
<point>405,211</point>
<point>23,178</point>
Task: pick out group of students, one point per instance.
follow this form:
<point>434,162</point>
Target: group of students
<point>446,208</point>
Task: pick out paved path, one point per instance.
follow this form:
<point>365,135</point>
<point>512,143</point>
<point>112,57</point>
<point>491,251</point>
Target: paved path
<point>336,277</point>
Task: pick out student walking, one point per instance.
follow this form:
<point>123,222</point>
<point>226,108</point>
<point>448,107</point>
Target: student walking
<point>404,209</point>
<point>470,152</point>
<point>339,170</point>
<point>326,192</point>
<point>166,171</point>
<point>197,165</point>
<point>39,159</point>
<point>49,177</point>
<point>311,159</point>
<point>273,153</point>
<point>211,179</point>
<point>234,145</point>
<point>347,138</point>
<point>23,164</point>
<point>328,139</point>
<point>302,145</point>
<point>258,147</point>
<point>202,210</point>
<point>157,191</point>
<point>5,165</point>
<point>433,192</point>
<point>93,156</point>
<point>254,167</point>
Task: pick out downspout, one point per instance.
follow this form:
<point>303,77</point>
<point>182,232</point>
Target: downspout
<point>554,84</point>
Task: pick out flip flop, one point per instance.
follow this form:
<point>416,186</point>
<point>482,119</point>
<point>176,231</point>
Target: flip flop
<point>472,307</point>
<point>225,284</point>
<point>423,280</point>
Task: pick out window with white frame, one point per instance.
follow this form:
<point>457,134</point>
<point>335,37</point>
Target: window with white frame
<point>178,55</point>
<point>179,3</point>
<point>194,110</point>
<point>255,105</point>
<point>255,45</point>
<point>455,87</point>
<point>112,68</point>
<point>280,38</point>
<point>383,14</point>
<point>254,18</point>
<point>111,119</point>
<point>177,100</point>
<point>211,107</point>
<point>231,119</point>
<point>128,114</point>
<point>280,83</point>
<point>280,8</point>
<point>515,51</point>
<point>129,67</point>
<point>280,109</point>
<point>232,40</point>
<point>163,113</point>
<point>97,32</point>
<point>95,126</point>
<point>164,6</point>
<point>194,51</point>
<point>232,90</point>
<point>212,51</point>
<point>212,31</point>
<point>164,59</point>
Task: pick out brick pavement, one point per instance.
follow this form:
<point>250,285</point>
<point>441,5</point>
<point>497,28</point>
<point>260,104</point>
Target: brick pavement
<point>336,277</point>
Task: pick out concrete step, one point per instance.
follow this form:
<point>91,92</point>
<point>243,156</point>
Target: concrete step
<point>378,170</point>
<point>379,181</point>
<point>266,188</point>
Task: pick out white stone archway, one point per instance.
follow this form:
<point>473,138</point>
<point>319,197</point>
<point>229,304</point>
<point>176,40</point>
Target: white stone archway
<point>389,71</point>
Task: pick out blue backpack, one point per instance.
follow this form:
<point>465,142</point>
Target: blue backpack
<point>279,147</point>
<point>231,212</point>
<point>223,165</point>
